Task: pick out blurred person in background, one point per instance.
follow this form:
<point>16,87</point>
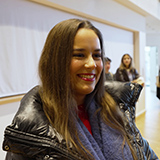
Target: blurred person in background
<point>108,75</point>
<point>126,72</point>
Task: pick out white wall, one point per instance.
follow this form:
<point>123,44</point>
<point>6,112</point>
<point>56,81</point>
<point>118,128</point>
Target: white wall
<point>7,112</point>
<point>23,28</point>
<point>139,57</point>
<point>150,6</point>
<point>23,35</point>
<point>153,39</point>
<point>109,10</point>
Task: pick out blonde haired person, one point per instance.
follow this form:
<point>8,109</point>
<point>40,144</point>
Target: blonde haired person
<point>71,115</point>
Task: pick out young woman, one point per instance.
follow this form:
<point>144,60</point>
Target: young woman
<point>126,72</point>
<point>70,116</point>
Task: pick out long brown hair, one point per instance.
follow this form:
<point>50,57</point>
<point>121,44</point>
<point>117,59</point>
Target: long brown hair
<point>122,65</point>
<point>56,92</point>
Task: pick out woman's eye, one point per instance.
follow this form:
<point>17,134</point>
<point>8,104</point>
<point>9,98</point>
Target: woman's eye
<point>78,55</point>
<point>97,55</point>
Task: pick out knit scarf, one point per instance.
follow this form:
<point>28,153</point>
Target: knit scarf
<point>105,143</point>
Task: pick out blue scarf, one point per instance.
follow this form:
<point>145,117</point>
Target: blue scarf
<point>105,143</point>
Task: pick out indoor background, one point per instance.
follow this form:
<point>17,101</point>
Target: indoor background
<point>128,26</point>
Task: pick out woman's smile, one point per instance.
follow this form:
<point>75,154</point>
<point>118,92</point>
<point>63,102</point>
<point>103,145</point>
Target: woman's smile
<point>87,76</point>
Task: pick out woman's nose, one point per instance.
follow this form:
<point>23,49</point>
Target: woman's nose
<point>90,63</point>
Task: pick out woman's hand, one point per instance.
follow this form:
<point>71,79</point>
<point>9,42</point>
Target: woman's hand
<point>139,80</point>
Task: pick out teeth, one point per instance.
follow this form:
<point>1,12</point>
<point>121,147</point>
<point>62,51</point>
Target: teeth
<point>87,76</point>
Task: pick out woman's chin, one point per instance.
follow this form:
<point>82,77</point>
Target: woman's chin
<point>88,90</point>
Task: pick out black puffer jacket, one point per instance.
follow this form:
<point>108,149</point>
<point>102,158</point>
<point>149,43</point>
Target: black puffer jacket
<point>127,94</point>
<point>30,136</point>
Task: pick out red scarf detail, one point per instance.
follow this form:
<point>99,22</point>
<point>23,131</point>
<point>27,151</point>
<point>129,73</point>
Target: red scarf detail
<point>83,115</point>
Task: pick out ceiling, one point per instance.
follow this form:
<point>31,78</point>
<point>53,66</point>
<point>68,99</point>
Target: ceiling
<point>152,23</point>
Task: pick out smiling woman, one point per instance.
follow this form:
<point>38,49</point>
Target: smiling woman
<point>86,63</point>
<point>71,115</point>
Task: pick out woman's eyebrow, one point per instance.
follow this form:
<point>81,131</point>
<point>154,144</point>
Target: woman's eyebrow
<point>97,50</point>
<point>78,49</point>
<point>82,49</point>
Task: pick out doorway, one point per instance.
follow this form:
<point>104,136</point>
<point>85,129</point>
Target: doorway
<point>151,62</point>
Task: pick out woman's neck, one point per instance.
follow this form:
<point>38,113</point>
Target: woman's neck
<point>107,71</point>
<point>79,99</point>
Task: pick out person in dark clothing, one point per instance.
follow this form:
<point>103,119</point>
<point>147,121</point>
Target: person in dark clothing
<point>71,115</point>
<point>158,84</point>
<point>126,72</point>
<point>108,75</point>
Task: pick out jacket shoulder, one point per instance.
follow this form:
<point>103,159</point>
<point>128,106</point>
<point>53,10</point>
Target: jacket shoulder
<point>124,92</point>
<point>31,96</point>
<point>30,114</point>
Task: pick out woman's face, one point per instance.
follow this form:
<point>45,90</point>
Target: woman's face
<point>126,60</point>
<point>86,63</point>
<point>107,66</point>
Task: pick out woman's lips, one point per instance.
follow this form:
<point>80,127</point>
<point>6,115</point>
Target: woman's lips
<point>87,77</point>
